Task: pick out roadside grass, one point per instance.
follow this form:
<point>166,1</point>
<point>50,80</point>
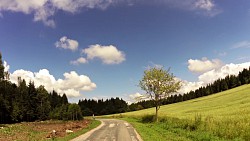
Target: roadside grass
<point>20,132</point>
<point>222,116</point>
<point>93,124</point>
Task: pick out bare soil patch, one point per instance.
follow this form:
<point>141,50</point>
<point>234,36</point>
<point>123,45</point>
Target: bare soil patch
<point>40,130</point>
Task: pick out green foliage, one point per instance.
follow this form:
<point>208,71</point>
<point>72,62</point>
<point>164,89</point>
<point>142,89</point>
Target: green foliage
<point>74,112</point>
<point>158,84</point>
<point>66,112</point>
<point>147,118</point>
<point>1,68</point>
<point>100,107</point>
<point>43,104</point>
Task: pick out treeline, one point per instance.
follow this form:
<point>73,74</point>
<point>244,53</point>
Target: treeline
<point>24,102</point>
<point>229,82</point>
<point>101,107</point>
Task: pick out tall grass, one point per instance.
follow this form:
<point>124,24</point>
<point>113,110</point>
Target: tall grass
<point>222,116</point>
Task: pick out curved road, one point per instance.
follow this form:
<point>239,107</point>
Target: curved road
<point>111,130</point>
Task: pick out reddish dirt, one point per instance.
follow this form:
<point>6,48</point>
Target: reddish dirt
<point>40,130</point>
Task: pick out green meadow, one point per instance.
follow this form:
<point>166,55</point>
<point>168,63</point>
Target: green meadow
<point>221,116</point>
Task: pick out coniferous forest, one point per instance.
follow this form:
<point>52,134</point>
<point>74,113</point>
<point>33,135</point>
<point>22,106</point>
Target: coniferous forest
<point>25,102</point>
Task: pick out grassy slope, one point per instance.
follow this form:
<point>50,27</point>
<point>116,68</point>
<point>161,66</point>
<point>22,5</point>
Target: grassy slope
<point>233,103</point>
<point>222,116</point>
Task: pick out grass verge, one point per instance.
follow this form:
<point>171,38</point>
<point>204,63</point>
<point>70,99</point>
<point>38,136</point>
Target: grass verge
<point>174,129</point>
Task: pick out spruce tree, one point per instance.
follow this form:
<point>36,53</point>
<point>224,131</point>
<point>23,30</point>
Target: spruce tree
<point>1,68</point>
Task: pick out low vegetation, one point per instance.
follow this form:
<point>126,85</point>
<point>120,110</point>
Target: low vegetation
<point>222,116</point>
<point>44,130</point>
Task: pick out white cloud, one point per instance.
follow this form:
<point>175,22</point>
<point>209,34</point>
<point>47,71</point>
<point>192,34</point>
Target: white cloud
<point>72,84</point>
<point>212,75</point>
<point>204,4</point>
<point>43,10</point>
<point>135,96</point>
<point>80,60</point>
<point>206,7</point>
<point>189,86</point>
<point>6,66</point>
<point>74,5</point>
<point>203,65</point>
<point>203,7</point>
<point>242,44</point>
<point>225,70</point>
<point>108,54</point>
<point>66,43</point>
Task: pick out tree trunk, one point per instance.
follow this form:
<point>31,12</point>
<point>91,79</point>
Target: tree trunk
<point>156,113</point>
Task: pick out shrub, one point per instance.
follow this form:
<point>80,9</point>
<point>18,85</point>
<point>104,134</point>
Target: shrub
<point>148,118</point>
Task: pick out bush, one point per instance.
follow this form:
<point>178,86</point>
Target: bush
<point>148,118</point>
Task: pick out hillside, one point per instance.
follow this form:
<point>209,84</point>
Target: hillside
<point>231,103</point>
<point>222,116</point>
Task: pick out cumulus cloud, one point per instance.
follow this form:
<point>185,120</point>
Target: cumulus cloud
<point>242,44</point>
<point>204,4</point>
<point>189,86</point>
<point>107,54</point>
<point>43,10</point>
<point>206,7</point>
<point>72,84</point>
<point>136,97</point>
<point>6,66</point>
<point>66,43</point>
<point>80,60</point>
<point>212,75</point>
<point>203,65</point>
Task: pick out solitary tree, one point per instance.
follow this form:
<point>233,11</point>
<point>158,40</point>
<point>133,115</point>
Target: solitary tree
<point>158,84</point>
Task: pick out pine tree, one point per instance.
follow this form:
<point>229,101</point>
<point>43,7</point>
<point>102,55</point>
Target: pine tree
<point>1,68</point>
<point>43,105</point>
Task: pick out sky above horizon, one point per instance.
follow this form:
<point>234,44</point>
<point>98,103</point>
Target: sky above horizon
<point>100,48</point>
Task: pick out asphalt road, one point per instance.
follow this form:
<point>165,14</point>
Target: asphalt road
<point>111,130</point>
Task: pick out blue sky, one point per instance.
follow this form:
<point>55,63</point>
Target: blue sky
<point>114,41</point>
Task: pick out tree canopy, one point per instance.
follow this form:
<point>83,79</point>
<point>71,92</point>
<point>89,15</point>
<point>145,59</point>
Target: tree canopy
<point>158,84</point>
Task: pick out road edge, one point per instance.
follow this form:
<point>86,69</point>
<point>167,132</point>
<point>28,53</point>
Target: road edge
<point>86,135</point>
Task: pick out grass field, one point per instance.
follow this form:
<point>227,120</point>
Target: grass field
<point>222,116</point>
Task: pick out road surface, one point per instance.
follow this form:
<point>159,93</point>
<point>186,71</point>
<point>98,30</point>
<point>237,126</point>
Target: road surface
<point>111,130</point>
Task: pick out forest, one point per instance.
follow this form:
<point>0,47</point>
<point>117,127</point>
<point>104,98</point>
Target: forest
<point>24,102</point>
<point>101,107</point>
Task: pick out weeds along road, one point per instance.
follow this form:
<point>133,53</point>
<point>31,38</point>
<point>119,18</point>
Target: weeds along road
<point>111,130</point>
